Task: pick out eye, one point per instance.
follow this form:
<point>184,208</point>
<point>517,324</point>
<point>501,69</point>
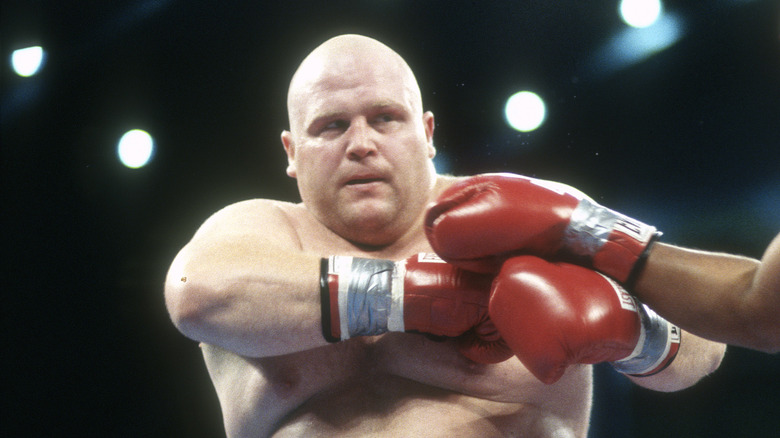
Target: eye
<point>384,118</point>
<point>336,125</point>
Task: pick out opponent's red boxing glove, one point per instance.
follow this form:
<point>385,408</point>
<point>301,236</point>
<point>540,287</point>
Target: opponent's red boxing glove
<point>481,221</point>
<point>556,315</point>
<point>365,297</point>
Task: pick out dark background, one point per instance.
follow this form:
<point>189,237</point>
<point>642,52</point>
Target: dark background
<point>688,140</point>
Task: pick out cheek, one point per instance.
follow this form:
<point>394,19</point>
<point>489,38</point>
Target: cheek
<point>417,157</point>
<point>315,170</point>
<point>414,171</point>
<point>313,159</point>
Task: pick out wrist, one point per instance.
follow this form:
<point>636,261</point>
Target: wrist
<point>640,263</point>
<point>656,349</point>
<point>359,297</point>
<point>612,243</point>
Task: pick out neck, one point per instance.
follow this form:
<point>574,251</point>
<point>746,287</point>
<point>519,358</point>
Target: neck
<point>411,239</point>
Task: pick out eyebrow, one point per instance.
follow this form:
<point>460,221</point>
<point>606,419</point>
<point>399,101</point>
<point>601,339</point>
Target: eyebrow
<point>321,118</point>
<point>379,105</point>
<point>387,104</point>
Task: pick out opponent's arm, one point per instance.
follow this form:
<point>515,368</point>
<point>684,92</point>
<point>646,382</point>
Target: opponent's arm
<point>722,297</point>
<point>242,283</point>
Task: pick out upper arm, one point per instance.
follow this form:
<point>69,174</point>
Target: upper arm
<point>238,243</point>
<point>244,230</point>
<point>244,283</point>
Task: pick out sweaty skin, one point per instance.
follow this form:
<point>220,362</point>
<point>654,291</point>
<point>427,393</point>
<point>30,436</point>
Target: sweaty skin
<point>395,384</point>
<point>361,149</point>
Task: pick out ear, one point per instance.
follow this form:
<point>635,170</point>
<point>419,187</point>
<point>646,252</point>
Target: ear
<point>289,148</point>
<point>429,124</point>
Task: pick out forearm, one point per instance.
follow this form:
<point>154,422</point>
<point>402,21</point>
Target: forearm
<point>255,301</point>
<point>717,296</point>
<point>764,296</point>
<point>696,359</point>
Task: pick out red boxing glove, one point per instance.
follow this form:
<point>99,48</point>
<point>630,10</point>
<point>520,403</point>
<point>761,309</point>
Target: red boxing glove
<point>366,297</point>
<point>481,221</point>
<point>556,315</point>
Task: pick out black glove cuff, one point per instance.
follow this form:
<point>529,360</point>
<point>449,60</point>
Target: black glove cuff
<point>639,266</point>
<point>325,302</point>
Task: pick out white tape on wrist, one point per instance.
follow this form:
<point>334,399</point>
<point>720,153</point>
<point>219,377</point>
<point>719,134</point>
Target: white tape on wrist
<point>342,266</point>
<point>395,321</point>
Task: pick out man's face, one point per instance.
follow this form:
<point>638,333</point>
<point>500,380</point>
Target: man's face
<point>360,148</point>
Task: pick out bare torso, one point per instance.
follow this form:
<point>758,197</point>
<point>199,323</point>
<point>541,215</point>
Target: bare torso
<point>396,384</point>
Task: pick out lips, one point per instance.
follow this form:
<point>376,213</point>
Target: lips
<point>363,178</point>
<point>357,181</point>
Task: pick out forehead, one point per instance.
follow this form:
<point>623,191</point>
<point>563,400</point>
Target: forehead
<point>359,87</point>
<point>350,80</point>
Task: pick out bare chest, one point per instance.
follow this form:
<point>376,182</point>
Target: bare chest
<point>389,382</point>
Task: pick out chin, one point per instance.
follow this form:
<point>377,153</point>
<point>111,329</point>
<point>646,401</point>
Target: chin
<point>370,213</point>
<point>372,229</point>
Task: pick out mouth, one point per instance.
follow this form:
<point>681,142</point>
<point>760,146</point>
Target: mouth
<point>359,181</point>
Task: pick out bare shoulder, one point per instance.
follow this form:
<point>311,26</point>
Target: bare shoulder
<point>250,214</point>
<point>258,218</point>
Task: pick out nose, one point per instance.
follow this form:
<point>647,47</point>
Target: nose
<point>360,140</point>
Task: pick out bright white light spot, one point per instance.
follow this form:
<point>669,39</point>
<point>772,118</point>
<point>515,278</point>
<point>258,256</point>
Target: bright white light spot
<point>525,111</point>
<point>135,148</point>
<point>28,61</point>
<point>640,13</point>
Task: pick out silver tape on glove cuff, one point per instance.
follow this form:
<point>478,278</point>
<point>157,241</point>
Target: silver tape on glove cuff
<point>653,346</point>
<point>368,299</point>
<point>589,228</point>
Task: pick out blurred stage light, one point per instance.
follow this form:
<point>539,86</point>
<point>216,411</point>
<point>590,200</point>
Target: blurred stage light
<point>640,13</point>
<point>633,45</point>
<point>637,44</point>
<point>135,148</point>
<point>525,111</point>
<point>28,61</point>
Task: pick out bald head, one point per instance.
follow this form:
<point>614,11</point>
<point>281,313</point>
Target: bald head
<point>359,144</point>
<point>345,61</point>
